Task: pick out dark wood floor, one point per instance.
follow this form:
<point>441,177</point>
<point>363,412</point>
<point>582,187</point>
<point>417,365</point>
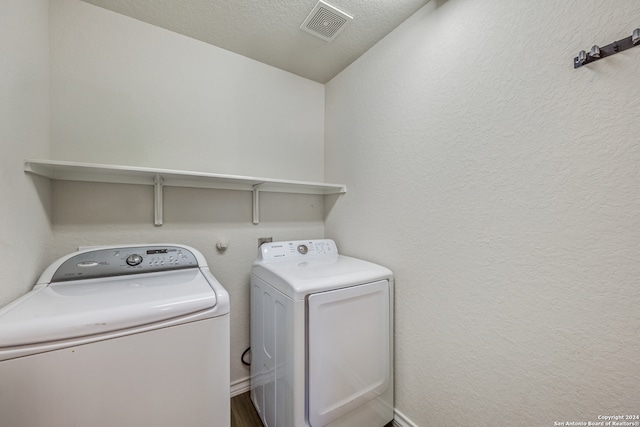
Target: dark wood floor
<point>243,414</point>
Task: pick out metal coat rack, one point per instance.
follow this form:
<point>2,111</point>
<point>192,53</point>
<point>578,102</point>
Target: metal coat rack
<point>596,53</point>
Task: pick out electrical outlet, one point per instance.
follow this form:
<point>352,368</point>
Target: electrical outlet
<point>262,240</point>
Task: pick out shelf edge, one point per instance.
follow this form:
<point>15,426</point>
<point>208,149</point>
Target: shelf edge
<point>95,172</point>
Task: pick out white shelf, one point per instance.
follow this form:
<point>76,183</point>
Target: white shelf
<point>93,172</point>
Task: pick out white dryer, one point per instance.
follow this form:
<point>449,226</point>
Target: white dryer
<point>119,336</point>
<point>321,337</point>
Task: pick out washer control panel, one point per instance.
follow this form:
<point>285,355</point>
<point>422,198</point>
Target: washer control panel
<point>297,249</point>
<point>126,260</point>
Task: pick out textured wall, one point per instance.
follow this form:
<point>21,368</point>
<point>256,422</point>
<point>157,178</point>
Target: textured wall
<point>502,187</point>
<point>125,92</point>
<point>24,132</point>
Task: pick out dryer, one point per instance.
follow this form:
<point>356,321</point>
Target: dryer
<point>118,336</point>
<point>321,337</point>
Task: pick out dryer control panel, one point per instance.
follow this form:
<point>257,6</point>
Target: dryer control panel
<point>126,260</point>
<point>297,249</point>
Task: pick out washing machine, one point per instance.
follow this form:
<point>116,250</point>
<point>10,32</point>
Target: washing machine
<point>321,337</point>
<point>118,336</point>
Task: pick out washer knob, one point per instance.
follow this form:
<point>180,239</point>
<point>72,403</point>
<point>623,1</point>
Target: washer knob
<point>303,249</point>
<point>134,260</point>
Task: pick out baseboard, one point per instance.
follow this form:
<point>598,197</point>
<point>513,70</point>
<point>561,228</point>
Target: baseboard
<point>240,386</point>
<point>401,420</point>
<point>243,385</point>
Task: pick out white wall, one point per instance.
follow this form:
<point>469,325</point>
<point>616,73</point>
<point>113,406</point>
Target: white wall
<point>502,187</point>
<point>125,92</point>
<point>24,132</point>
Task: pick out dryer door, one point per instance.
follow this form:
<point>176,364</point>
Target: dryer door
<point>348,349</point>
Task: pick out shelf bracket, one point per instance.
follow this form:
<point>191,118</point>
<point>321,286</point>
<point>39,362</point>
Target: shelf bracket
<point>159,178</point>
<point>157,199</point>
<point>256,203</point>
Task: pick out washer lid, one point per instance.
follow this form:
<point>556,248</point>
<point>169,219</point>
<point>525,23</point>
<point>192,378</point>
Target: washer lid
<point>93,306</point>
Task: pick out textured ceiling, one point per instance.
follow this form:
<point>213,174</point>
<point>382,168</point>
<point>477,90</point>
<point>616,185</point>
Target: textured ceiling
<point>268,31</point>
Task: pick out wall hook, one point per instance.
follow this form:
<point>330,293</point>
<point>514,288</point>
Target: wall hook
<point>582,57</point>
<point>596,53</point>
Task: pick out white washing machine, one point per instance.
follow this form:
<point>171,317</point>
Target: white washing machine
<point>321,337</point>
<point>118,336</point>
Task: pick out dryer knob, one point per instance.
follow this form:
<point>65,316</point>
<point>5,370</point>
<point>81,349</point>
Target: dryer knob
<point>134,260</point>
<point>303,249</point>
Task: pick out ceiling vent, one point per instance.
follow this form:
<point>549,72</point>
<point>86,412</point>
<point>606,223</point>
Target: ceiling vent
<point>325,21</point>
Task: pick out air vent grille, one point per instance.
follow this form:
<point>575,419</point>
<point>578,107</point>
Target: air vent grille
<point>325,21</point>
